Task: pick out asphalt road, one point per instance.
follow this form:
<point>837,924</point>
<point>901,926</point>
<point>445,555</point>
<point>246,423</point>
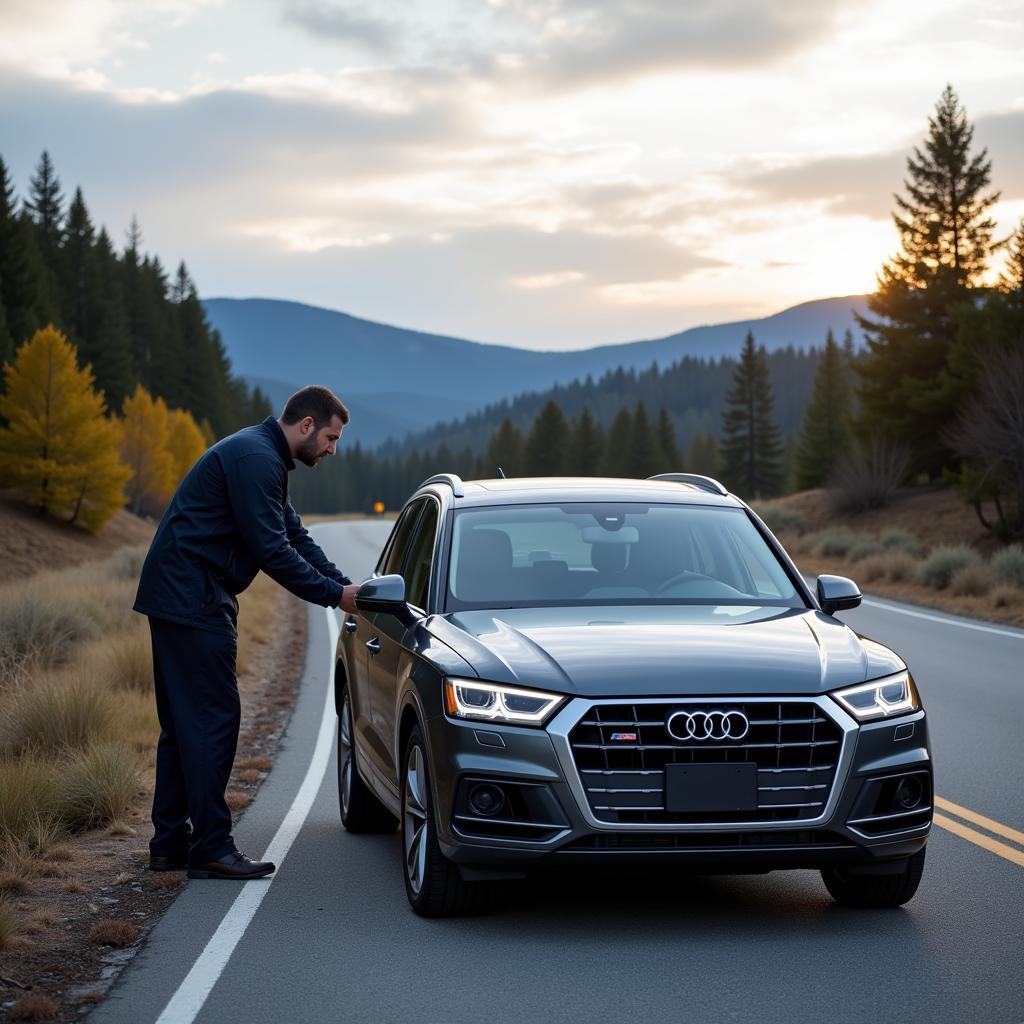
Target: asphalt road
<point>332,937</point>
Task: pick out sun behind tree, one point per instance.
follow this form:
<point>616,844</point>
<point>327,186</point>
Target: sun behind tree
<point>58,451</point>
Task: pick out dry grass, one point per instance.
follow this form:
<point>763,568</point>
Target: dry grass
<point>13,883</point>
<point>256,613</point>
<point>258,763</point>
<point>248,775</point>
<point>163,881</point>
<point>1006,597</point>
<point>75,885</point>
<point>56,713</point>
<point>34,1005</point>
<point>971,581</point>
<point>121,828</point>
<point>113,931</point>
<point>7,923</point>
<point>125,661</point>
<point>237,800</point>
<point>124,878</point>
<point>99,785</point>
<point>89,998</point>
<point>27,796</point>
<point>37,631</point>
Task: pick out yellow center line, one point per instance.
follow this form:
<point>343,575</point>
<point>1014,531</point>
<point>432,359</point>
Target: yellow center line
<point>979,819</point>
<point>985,842</point>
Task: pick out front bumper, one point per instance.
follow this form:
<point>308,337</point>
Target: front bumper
<point>539,770</point>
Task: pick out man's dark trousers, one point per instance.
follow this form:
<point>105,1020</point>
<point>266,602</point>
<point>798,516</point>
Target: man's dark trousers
<point>199,711</point>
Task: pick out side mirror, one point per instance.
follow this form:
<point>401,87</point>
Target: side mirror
<point>836,593</point>
<point>384,594</point>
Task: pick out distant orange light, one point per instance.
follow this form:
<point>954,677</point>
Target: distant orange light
<point>378,507</point>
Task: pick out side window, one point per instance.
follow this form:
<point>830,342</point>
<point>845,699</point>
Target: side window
<point>400,544</point>
<point>417,573</point>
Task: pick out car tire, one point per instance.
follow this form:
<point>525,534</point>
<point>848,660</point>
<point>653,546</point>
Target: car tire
<point>360,809</point>
<point>874,891</point>
<point>432,882</point>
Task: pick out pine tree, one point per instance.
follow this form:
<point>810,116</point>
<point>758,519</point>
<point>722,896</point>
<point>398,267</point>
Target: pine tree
<point>616,451</point>
<point>59,451</point>
<point>20,273</point>
<point>45,205</point>
<point>751,449</point>
<point>702,455</point>
<point>587,445</point>
<point>185,442</point>
<point>109,349</point>
<point>506,451</point>
<point>547,444</point>
<point>145,450</point>
<point>671,459</point>
<point>825,436</point>
<point>946,238</point>
<point>644,451</point>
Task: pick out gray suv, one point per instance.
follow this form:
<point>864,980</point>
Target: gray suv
<point>562,671</point>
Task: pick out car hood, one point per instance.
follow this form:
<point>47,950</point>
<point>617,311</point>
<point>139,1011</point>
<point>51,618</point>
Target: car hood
<point>664,650</point>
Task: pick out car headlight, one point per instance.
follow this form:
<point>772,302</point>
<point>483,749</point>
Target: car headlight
<point>488,702</point>
<point>893,695</point>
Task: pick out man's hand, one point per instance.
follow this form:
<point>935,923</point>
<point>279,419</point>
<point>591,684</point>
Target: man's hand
<point>348,597</point>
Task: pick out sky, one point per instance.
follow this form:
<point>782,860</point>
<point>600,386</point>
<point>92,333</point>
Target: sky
<point>541,173</point>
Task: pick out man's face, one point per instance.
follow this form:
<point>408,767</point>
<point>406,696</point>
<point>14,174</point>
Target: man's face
<point>319,443</point>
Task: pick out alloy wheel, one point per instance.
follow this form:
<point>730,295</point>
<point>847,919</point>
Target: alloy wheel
<point>414,824</point>
<point>345,751</point>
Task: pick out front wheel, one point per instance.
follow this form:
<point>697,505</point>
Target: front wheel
<point>361,811</point>
<point>432,882</point>
<point>874,891</point>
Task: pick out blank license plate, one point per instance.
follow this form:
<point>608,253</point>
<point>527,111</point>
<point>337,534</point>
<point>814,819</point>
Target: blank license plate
<point>711,787</point>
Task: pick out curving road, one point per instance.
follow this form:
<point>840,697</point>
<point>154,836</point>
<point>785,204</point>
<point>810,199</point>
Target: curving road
<point>332,938</point>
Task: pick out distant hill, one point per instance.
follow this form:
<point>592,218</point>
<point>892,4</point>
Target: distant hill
<point>394,377</point>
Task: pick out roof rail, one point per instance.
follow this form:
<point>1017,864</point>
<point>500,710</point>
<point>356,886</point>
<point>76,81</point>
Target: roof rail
<point>703,483</point>
<point>453,481</point>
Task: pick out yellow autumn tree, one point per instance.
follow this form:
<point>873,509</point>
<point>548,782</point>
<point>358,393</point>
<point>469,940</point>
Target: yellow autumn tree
<point>58,451</point>
<point>185,442</point>
<point>145,432</point>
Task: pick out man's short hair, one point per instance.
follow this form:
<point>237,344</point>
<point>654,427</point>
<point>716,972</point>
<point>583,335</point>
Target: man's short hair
<point>317,401</point>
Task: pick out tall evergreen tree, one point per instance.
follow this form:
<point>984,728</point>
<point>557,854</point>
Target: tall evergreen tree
<point>825,435</point>
<point>644,449</point>
<point>548,442</point>
<point>702,455</point>
<point>946,239</point>
<point>616,452</point>
<point>671,459</point>
<point>21,273</point>
<point>751,449</point>
<point>109,350</point>
<point>587,446</point>
<point>506,451</point>
<point>45,205</point>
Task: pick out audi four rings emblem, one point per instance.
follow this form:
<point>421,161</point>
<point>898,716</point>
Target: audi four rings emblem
<point>707,725</point>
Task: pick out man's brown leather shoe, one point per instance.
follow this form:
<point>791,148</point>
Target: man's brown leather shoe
<point>167,863</point>
<point>235,865</point>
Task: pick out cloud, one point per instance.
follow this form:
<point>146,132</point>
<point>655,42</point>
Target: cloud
<point>863,185</point>
<point>336,21</point>
<point>579,42</point>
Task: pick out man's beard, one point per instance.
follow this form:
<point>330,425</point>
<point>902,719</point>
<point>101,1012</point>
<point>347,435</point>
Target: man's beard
<point>309,452</point>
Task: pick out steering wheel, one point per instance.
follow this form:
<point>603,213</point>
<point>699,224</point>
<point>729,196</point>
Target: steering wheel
<point>685,576</point>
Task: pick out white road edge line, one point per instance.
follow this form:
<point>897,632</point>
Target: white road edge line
<point>944,619</point>
<point>192,993</point>
<point>948,620</point>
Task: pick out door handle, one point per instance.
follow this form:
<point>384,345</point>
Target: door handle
<point>351,625</point>
<point>373,645</point>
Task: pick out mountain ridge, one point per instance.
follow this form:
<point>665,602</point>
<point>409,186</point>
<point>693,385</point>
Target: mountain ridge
<point>433,373</point>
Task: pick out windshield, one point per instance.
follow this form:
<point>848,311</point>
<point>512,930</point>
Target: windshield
<point>604,554</point>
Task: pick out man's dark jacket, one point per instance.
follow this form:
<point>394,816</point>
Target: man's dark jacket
<point>229,518</point>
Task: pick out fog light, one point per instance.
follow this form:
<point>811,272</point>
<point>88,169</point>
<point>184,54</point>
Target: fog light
<point>909,793</point>
<point>486,799</point>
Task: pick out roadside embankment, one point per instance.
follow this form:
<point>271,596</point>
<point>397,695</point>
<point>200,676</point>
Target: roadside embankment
<point>926,547</point>
<point>78,735</point>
